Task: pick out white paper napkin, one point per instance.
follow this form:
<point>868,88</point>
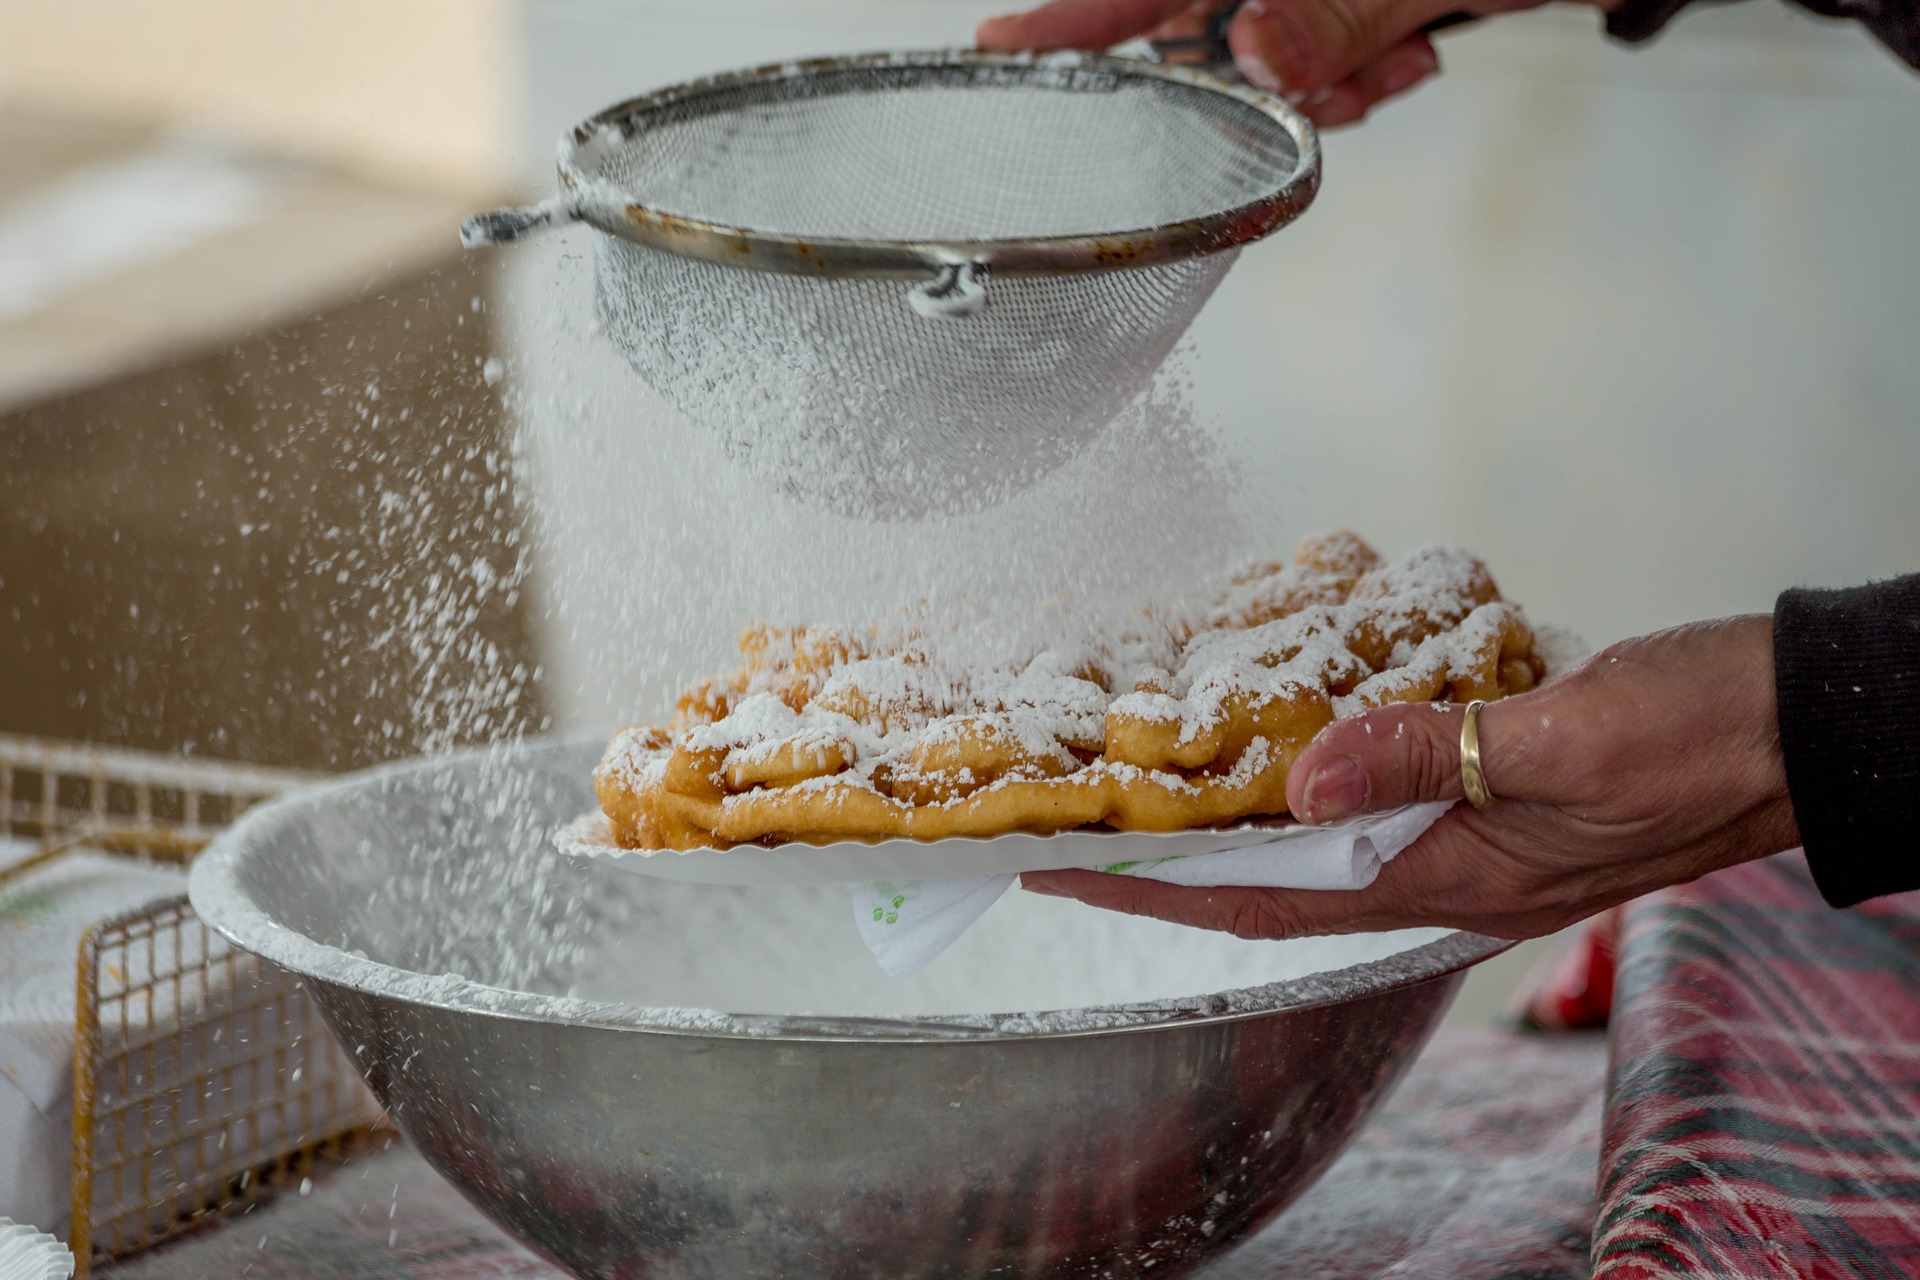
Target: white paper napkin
<point>907,924</point>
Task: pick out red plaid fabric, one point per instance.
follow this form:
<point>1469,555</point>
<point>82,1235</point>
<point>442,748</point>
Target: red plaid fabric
<point>1479,1168</point>
<point>1763,1113</point>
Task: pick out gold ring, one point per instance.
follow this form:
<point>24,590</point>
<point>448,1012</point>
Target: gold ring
<point>1473,779</point>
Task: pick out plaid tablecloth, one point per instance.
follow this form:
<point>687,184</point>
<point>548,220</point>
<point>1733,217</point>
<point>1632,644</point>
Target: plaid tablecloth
<point>1763,1115</point>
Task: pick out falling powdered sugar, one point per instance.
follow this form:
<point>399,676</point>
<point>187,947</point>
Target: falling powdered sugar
<point>653,546</point>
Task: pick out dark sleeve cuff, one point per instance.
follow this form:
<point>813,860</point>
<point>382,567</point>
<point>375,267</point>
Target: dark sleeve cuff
<point>1847,675</point>
<point>1895,23</point>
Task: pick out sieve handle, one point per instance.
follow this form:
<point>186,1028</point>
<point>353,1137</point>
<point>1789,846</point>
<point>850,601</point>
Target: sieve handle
<point>957,290</point>
<point>1211,51</point>
<point>504,226</point>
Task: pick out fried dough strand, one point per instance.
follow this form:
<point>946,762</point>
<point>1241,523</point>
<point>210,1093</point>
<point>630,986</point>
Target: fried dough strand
<point>823,735</point>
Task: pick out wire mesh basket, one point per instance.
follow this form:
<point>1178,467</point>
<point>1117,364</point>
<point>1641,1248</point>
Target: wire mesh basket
<point>203,1077</point>
<point>161,807</point>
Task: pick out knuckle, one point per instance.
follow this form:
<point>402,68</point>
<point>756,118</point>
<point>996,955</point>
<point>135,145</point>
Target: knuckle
<point>1260,916</point>
<point>1621,659</point>
<point>1359,26</point>
<point>1431,759</point>
<point>1281,39</point>
<point>1134,897</point>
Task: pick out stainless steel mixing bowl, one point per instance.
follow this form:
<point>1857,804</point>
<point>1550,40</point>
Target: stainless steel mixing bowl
<point>626,1139</point>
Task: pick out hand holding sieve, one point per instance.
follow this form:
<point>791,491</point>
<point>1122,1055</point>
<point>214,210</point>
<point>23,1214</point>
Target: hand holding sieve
<point>1211,49</point>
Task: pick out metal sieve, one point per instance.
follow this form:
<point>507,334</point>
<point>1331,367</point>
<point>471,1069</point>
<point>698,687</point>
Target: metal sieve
<point>897,284</point>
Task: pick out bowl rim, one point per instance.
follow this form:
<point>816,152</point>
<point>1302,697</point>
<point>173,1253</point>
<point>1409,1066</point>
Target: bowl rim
<point>221,899</point>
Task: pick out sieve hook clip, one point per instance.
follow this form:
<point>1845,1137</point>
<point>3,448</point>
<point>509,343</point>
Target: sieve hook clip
<point>957,290</point>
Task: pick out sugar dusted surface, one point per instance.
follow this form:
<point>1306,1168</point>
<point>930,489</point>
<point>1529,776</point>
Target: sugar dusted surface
<point>888,698</point>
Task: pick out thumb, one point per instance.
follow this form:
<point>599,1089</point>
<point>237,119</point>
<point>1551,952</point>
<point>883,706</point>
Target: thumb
<point>1389,757</point>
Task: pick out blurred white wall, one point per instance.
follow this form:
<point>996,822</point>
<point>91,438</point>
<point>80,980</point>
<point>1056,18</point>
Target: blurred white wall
<point>1642,326</point>
<point>581,55</point>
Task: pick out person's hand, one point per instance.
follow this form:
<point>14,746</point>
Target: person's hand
<point>1333,59</point>
<point>1654,763</point>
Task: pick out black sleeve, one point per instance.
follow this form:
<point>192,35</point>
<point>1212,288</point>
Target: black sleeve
<point>1846,670</point>
<point>1896,23</point>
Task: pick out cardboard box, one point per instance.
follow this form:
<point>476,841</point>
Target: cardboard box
<point>255,498</point>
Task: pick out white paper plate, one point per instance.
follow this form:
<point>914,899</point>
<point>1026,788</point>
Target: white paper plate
<point>856,862</point>
<point>30,1254</point>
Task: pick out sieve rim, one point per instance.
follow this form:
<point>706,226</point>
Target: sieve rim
<point>588,199</point>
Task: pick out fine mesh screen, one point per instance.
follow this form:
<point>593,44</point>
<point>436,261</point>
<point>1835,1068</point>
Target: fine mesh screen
<point>847,389</point>
<point>840,393</point>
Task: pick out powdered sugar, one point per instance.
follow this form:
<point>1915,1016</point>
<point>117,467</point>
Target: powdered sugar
<point>761,718</point>
<point>654,545</point>
<point>1433,656</point>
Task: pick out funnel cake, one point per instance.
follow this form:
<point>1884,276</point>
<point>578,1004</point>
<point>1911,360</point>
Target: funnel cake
<point>827,735</point>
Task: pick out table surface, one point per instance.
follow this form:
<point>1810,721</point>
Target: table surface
<point>1480,1166</point>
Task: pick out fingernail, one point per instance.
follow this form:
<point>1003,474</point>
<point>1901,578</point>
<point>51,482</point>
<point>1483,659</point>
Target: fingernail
<point>1335,789</point>
<point>1254,67</point>
<point>1044,891</point>
<point>1407,70</point>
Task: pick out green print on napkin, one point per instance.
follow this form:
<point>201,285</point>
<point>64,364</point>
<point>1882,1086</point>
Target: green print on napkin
<point>889,898</point>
